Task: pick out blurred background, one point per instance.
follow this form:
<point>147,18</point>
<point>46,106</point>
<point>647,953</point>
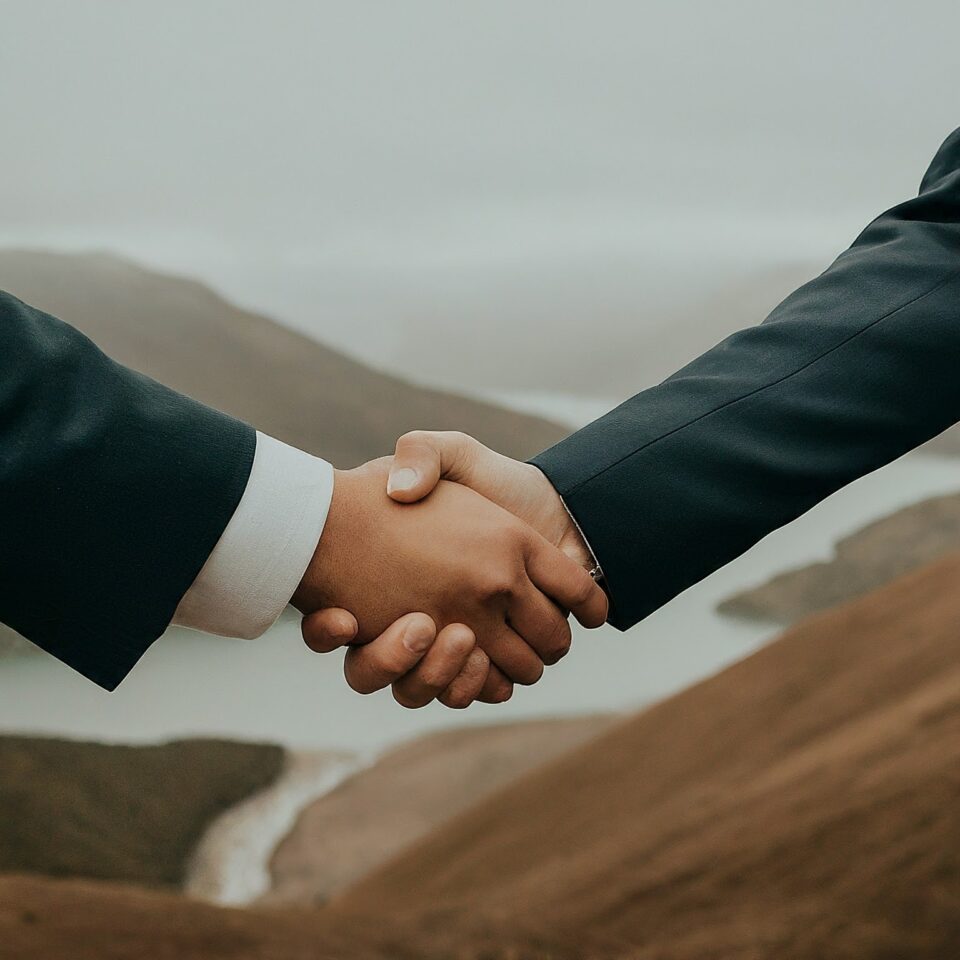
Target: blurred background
<point>342,221</point>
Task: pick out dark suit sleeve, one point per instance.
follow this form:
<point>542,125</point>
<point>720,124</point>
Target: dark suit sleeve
<point>113,492</point>
<point>852,370</point>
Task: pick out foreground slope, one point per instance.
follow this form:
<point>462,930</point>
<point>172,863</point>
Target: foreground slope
<point>801,804</point>
<point>350,831</point>
<point>43,919</point>
<point>862,561</point>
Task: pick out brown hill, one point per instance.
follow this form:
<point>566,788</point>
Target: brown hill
<point>799,805</point>
<point>43,919</point>
<point>867,559</point>
<point>185,335</point>
<point>347,833</point>
<point>119,812</point>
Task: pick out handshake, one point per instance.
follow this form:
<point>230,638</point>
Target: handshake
<point>449,571</point>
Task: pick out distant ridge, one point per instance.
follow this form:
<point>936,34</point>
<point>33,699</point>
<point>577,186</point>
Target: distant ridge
<point>863,561</point>
<point>183,334</point>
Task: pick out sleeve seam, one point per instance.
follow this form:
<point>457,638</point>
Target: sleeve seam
<point>767,386</point>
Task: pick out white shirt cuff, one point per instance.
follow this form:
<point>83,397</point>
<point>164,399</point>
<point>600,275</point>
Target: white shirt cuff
<point>266,547</point>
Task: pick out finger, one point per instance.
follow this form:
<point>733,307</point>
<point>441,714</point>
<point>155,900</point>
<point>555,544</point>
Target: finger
<point>540,622</point>
<point>512,654</point>
<point>566,582</point>
<point>395,652</point>
<point>422,457</point>
<point>439,667</point>
<point>467,685</point>
<point>326,630</point>
<point>496,687</point>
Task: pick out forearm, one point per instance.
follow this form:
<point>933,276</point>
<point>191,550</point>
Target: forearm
<point>114,491</point>
<point>857,367</point>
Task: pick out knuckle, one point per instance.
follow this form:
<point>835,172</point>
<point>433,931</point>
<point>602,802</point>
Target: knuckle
<point>432,680</point>
<point>412,437</point>
<point>583,589</point>
<point>360,678</point>
<point>557,642</point>
<point>530,674</point>
<point>506,581</point>
<point>456,699</point>
<point>495,586</point>
<point>458,641</point>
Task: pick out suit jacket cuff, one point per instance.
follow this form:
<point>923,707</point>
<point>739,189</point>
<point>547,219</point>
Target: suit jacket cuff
<point>591,513</point>
<point>264,550</point>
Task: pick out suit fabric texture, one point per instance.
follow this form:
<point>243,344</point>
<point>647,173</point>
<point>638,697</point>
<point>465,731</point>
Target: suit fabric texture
<point>114,490</point>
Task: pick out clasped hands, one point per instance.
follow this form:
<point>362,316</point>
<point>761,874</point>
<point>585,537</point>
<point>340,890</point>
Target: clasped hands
<point>449,572</point>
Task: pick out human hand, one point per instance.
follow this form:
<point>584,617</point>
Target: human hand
<point>456,557</point>
<point>421,459</point>
<point>419,664</point>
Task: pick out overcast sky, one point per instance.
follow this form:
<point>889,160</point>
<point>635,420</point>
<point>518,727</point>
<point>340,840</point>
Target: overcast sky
<point>350,165</point>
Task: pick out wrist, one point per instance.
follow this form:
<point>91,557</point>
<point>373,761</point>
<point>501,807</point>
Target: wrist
<point>556,522</point>
<point>316,589</point>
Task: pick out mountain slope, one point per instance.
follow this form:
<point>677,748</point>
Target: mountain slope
<point>131,813</point>
<point>800,804</point>
<point>42,919</point>
<point>184,335</point>
<point>863,561</point>
<point>347,833</point>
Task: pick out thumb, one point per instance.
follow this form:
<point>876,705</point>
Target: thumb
<point>423,457</point>
<point>329,629</point>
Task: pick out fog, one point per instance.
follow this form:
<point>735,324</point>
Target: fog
<point>506,197</point>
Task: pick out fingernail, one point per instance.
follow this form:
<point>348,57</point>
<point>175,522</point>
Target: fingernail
<point>403,479</point>
<point>417,637</point>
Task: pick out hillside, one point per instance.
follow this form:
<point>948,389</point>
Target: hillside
<point>347,833</point>
<point>183,334</point>
<point>799,805</point>
<point>119,812</point>
<point>43,919</point>
<point>863,561</point>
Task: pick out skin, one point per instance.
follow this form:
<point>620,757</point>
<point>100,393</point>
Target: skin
<point>477,573</point>
<point>422,459</point>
